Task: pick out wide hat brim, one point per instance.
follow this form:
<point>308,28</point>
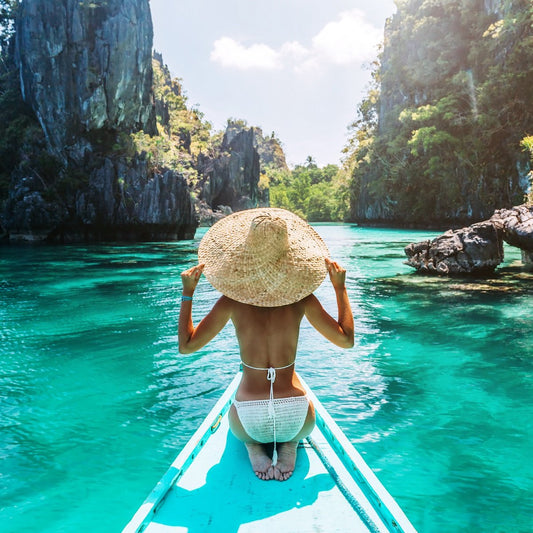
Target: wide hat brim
<point>255,275</point>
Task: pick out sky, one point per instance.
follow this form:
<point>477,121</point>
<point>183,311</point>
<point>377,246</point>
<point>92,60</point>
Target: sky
<point>298,68</point>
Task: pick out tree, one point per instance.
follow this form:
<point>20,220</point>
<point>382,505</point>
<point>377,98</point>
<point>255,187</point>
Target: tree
<point>317,194</point>
<point>527,145</point>
<point>7,18</point>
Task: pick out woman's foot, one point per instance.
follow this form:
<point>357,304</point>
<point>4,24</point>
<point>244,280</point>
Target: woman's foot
<point>261,462</point>
<point>286,460</point>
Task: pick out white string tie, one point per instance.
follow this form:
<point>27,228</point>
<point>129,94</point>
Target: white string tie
<point>271,376</point>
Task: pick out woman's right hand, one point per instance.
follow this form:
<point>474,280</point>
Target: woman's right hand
<point>190,278</point>
<point>337,274</point>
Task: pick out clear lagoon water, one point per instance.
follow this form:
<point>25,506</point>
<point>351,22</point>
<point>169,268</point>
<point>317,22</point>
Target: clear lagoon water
<point>96,401</point>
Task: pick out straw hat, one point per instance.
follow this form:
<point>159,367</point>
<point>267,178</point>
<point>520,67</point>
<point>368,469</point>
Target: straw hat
<point>266,257</point>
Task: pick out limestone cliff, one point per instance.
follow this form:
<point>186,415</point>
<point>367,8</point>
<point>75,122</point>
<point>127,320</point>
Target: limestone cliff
<point>86,71</point>
<point>229,178</point>
<point>438,140</point>
<point>86,66</point>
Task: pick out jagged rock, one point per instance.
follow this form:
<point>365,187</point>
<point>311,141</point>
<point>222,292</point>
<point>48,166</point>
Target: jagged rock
<point>86,66</point>
<point>130,202</point>
<point>476,248</point>
<point>231,179</point>
<point>208,216</point>
<point>29,216</point>
<point>121,202</point>
<point>269,148</point>
<point>516,225</point>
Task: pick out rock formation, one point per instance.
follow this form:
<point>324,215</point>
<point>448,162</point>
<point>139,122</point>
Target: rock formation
<point>516,225</point>
<point>86,66</point>
<point>86,71</point>
<point>477,248</point>
<point>230,178</point>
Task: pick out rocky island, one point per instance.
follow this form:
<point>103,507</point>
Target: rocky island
<point>477,248</point>
<point>99,106</point>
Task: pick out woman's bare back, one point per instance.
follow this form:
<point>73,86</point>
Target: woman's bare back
<point>268,337</point>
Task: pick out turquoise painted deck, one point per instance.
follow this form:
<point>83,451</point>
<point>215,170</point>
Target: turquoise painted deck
<point>211,487</point>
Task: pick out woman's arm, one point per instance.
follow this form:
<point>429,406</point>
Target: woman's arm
<point>340,331</point>
<point>193,338</point>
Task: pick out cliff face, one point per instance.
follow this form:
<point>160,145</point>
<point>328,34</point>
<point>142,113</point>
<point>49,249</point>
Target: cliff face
<point>453,103</point>
<point>86,66</point>
<point>230,178</point>
<point>86,71</point>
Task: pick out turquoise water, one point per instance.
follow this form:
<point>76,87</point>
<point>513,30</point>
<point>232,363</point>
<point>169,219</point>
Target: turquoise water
<point>95,400</point>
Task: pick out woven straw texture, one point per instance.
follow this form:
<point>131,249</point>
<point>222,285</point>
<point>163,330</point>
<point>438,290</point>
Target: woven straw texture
<point>266,257</point>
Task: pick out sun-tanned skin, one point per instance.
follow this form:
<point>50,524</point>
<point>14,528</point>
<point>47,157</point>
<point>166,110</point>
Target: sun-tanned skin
<point>268,337</point>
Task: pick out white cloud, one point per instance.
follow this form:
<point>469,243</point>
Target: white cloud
<point>294,51</point>
<point>349,39</point>
<point>230,53</point>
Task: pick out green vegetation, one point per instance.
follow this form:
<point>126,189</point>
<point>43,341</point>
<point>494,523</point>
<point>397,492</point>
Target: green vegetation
<point>527,144</point>
<point>438,135</point>
<point>7,17</point>
<point>316,194</point>
<point>183,131</point>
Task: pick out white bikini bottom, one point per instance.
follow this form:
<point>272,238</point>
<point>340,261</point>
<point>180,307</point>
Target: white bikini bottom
<point>280,423</point>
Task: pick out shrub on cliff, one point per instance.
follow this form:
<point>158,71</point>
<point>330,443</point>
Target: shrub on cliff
<point>527,145</point>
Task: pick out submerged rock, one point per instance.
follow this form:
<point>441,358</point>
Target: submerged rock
<point>476,248</point>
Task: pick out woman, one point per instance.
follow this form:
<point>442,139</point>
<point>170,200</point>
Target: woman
<point>266,263</point>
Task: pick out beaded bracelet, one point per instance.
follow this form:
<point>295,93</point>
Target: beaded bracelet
<point>186,298</point>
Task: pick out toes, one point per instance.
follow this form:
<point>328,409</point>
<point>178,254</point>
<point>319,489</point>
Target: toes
<point>276,473</point>
<point>269,474</point>
<point>283,476</point>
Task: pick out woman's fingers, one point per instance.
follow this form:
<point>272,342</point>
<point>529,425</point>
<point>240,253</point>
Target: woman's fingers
<point>191,276</point>
<point>194,271</point>
<point>337,274</point>
<point>333,266</point>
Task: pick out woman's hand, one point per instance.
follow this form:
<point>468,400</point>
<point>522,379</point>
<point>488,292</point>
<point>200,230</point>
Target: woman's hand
<point>337,274</point>
<point>190,278</point>
<point>340,331</point>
